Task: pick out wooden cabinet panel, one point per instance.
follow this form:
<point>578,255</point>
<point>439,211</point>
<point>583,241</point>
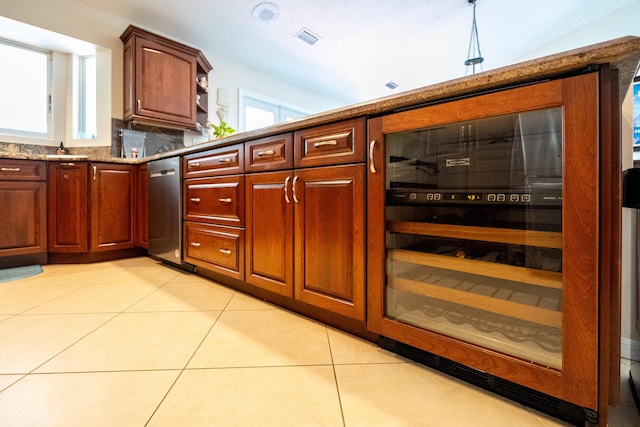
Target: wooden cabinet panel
<point>23,198</point>
<point>219,161</point>
<point>22,170</point>
<point>142,206</point>
<point>112,206</point>
<point>23,220</point>
<point>269,154</point>
<point>330,238</point>
<point>216,200</point>
<point>269,230</point>
<point>332,144</point>
<point>160,79</point>
<point>68,207</point>
<point>216,248</point>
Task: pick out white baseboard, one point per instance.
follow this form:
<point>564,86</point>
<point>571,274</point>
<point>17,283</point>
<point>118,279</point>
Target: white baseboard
<point>630,349</point>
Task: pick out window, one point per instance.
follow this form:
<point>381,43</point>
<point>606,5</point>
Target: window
<point>87,126</point>
<point>257,111</point>
<point>25,90</point>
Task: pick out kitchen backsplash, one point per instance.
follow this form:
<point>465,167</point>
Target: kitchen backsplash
<point>158,140</point>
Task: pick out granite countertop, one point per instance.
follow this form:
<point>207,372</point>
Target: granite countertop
<point>623,54</point>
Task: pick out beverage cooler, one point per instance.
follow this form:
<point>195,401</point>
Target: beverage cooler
<point>486,254</point>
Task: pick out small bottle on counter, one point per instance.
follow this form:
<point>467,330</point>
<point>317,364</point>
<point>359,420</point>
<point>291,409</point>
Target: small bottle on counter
<point>61,149</point>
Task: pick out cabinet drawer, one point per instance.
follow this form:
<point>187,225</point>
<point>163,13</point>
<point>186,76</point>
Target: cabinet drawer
<point>272,153</point>
<point>220,161</point>
<point>22,170</point>
<point>217,248</point>
<point>332,144</point>
<point>217,200</point>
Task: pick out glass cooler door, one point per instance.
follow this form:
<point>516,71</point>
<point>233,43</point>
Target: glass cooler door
<point>474,232</point>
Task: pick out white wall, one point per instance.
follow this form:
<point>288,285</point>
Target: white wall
<point>78,20</point>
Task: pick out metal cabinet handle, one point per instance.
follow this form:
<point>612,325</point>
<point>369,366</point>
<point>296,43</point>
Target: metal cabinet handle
<point>194,165</point>
<point>195,244</point>
<point>327,142</point>
<point>225,251</point>
<point>67,164</point>
<point>286,185</point>
<point>266,153</point>
<point>10,169</point>
<point>293,186</point>
<point>225,200</point>
<point>195,199</point>
<point>139,105</point>
<point>95,173</point>
<point>372,146</point>
<point>225,160</point>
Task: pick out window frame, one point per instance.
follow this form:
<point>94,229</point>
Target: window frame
<point>48,96</point>
<point>278,107</point>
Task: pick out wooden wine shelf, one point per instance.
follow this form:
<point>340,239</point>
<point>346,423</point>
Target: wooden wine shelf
<point>532,276</point>
<point>529,313</point>
<point>545,239</point>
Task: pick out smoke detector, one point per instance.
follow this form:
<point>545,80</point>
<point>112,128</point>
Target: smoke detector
<point>266,13</point>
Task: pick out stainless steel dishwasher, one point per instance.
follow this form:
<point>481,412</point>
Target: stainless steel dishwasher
<point>165,212</point>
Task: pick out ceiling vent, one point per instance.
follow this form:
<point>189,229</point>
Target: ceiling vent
<point>307,36</point>
<point>392,85</point>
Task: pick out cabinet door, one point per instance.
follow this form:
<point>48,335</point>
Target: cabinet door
<point>165,83</point>
<point>330,238</point>
<point>68,204</point>
<point>23,219</point>
<point>269,230</point>
<point>112,207</point>
<point>489,256</point>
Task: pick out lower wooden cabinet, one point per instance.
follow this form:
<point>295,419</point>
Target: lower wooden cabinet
<point>23,225</point>
<point>305,236</point>
<point>216,248</point>
<point>68,207</point>
<point>91,207</point>
<point>112,206</point>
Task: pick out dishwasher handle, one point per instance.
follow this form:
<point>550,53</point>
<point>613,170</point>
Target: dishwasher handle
<point>161,173</point>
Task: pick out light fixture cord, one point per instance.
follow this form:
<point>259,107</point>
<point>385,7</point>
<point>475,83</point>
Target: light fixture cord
<point>474,45</point>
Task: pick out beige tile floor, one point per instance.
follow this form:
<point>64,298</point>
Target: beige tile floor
<point>135,343</point>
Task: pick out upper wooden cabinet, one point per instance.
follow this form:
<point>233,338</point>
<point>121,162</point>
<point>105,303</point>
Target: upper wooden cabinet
<point>162,80</point>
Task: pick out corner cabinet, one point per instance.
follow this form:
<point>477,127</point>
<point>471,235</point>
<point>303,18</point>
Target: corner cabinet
<point>162,80</point>
<point>91,210</point>
<point>484,236</point>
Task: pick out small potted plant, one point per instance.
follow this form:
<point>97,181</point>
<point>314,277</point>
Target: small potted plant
<point>222,130</point>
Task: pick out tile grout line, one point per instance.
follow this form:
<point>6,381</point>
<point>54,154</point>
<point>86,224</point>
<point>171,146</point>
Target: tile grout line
<point>335,376</point>
<point>184,368</point>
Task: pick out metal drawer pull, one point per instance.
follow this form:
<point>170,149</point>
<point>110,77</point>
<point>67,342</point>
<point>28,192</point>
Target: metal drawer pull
<point>194,165</point>
<point>286,185</point>
<point>372,146</point>
<point>293,186</point>
<point>95,173</point>
<point>10,169</point>
<point>225,160</point>
<point>67,164</point>
<point>195,199</point>
<point>225,200</point>
<point>225,251</point>
<point>266,153</point>
<point>195,244</point>
<point>327,142</point>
